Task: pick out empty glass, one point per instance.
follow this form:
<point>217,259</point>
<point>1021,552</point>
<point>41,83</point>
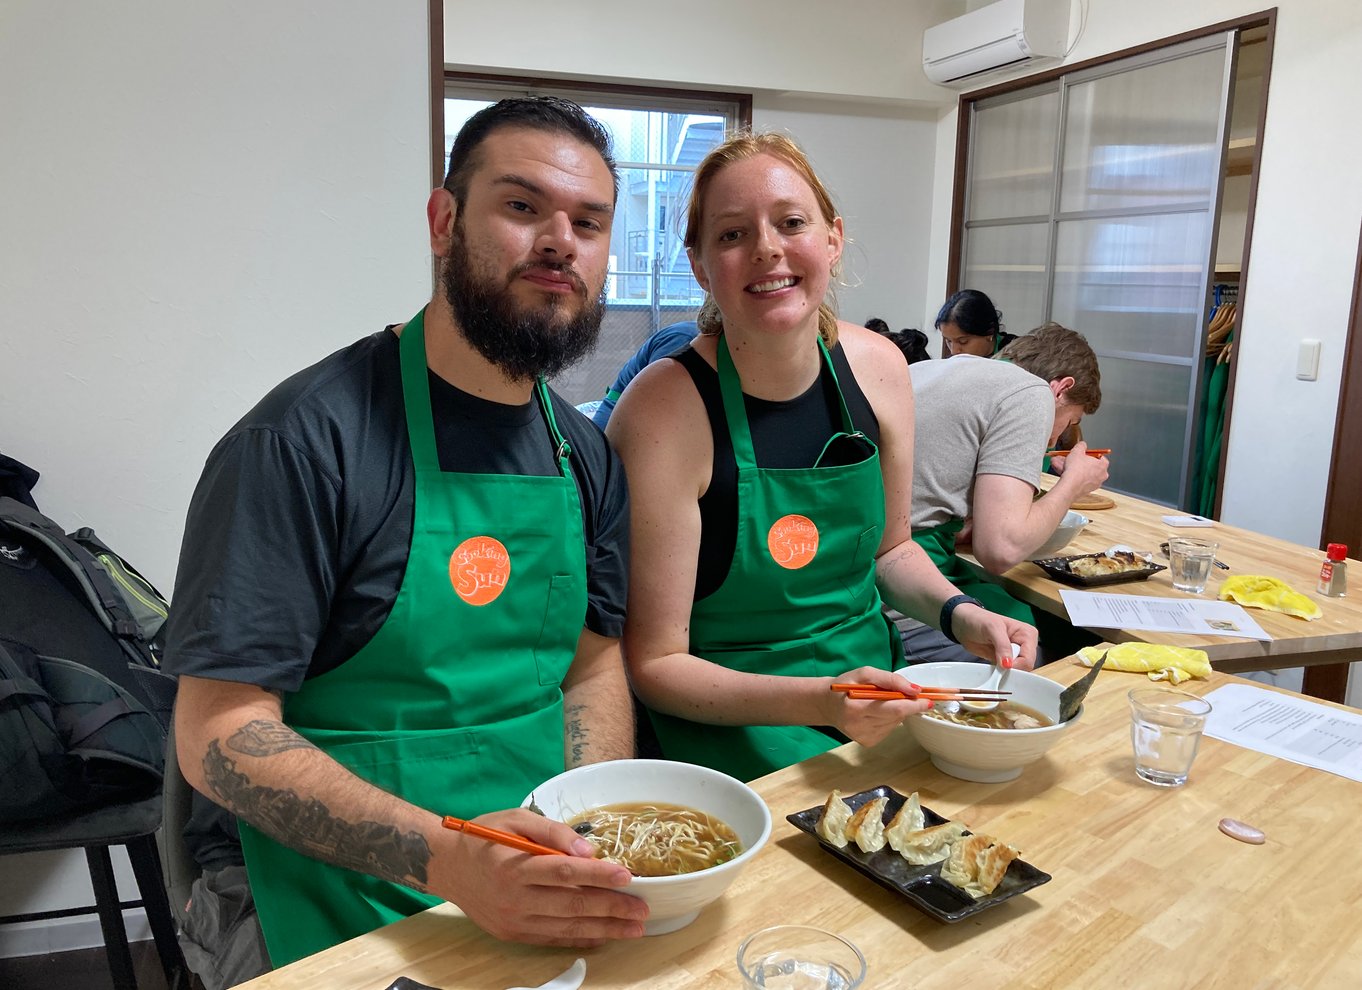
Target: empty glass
<point>1190,562</point>
<point>1165,732</point>
<point>797,957</point>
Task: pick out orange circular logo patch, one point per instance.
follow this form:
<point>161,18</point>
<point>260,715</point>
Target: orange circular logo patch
<point>479,568</point>
<point>793,541</point>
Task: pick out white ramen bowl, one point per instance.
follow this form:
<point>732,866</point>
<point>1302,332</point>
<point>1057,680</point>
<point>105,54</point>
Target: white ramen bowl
<point>988,756</point>
<point>1069,527</point>
<point>673,902</point>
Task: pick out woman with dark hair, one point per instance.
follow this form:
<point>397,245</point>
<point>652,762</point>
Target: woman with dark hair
<point>913,343</point>
<point>970,324</point>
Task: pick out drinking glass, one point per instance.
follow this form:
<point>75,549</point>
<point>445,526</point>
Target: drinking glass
<point>797,957</point>
<point>1165,732</point>
<point>1190,562</point>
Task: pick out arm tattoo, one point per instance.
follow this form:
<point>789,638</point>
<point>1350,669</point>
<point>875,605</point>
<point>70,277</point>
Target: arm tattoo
<point>307,825</point>
<point>576,734</point>
<point>263,737</point>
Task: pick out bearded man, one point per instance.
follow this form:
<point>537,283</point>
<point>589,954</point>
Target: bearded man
<point>402,583</point>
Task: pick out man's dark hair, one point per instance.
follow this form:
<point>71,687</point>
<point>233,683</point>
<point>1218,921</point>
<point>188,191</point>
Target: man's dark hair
<point>541,113</point>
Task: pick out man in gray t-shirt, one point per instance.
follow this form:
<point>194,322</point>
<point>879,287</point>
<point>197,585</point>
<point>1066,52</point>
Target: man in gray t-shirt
<point>982,429</point>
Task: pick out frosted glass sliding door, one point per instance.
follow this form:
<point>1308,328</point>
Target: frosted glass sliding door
<point>1121,248</point>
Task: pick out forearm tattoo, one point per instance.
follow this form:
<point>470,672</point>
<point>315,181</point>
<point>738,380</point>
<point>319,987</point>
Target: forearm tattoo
<point>307,825</point>
<point>577,734</point>
<point>265,738</point>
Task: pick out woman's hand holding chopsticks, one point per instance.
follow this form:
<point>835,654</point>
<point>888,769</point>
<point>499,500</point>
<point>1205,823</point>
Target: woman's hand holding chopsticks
<point>870,720</point>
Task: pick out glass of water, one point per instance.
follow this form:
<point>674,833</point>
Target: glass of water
<point>1190,562</point>
<point>1165,732</point>
<point>797,957</point>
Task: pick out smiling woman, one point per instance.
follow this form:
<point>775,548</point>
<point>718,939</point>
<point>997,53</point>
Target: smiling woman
<point>761,461</point>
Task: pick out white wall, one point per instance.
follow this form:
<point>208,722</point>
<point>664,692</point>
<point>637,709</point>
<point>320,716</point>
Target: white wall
<point>197,201</point>
<point>862,49</point>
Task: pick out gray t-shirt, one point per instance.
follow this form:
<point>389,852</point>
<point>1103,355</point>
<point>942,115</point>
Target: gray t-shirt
<point>974,416</point>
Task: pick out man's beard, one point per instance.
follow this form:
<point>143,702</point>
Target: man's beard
<point>524,342</point>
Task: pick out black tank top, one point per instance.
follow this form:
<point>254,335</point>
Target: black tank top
<point>785,434</point>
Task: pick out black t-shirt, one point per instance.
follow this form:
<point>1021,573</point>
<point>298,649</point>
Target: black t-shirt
<point>785,434</point>
<point>297,535</point>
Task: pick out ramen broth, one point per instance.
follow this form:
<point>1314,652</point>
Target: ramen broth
<point>1008,715</point>
<point>658,840</point>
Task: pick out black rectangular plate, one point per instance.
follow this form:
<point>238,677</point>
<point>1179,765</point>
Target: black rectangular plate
<point>1058,568</point>
<point>921,885</point>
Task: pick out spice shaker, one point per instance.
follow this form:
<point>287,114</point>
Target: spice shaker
<point>1333,573</point>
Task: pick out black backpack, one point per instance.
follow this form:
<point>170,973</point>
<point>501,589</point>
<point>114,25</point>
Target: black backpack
<point>83,706</point>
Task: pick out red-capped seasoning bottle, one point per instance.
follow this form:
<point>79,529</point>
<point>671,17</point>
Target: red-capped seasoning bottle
<point>1333,574</point>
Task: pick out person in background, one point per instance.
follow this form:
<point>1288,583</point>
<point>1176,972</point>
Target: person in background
<point>970,324</point>
<point>360,557</point>
<point>982,429</point>
<point>663,342</point>
<point>913,343</point>
<point>770,470</point>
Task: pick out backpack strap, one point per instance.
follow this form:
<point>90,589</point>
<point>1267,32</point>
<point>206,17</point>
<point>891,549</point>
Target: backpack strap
<point>92,578</point>
<point>77,730</point>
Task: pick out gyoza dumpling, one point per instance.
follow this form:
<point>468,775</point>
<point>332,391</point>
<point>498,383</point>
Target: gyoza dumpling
<point>908,819</point>
<point>866,827</point>
<point>962,865</point>
<point>832,826</point>
<point>992,866</point>
<point>928,845</point>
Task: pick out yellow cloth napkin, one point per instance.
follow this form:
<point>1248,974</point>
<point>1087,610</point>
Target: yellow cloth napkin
<point>1257,591</point>
<point>1174,664</point>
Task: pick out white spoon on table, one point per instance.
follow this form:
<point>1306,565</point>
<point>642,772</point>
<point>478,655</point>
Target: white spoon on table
<point>995,682</point>
<point>570,979</point>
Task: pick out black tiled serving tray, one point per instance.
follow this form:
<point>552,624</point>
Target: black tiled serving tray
<point>921,885</point>
<point>1058,568</point>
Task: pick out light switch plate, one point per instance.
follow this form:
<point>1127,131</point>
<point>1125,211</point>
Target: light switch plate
<point>1307,361</point>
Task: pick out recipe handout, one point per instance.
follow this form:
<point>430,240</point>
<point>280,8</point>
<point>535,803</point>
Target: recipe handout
<point>1203,618</point>
<point>1287,727</point>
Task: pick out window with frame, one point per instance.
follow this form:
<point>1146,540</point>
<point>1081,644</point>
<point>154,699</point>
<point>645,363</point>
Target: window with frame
<point>659,137</point>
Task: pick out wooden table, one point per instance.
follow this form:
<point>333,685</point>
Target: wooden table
<point>1146,892</point>
<point>1323,646</point>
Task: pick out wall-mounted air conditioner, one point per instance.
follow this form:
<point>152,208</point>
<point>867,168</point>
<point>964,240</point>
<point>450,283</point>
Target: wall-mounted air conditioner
<point>1008,33</point>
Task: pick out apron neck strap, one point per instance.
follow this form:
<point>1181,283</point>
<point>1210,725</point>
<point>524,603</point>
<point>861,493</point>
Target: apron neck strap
<point>730,388</point>
<point>416,394</point>
<point>416,397</point>
<point>560,445</point>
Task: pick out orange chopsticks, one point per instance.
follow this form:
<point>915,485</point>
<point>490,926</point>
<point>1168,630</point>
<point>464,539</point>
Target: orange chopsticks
<point>1094,452</point>
<point>873,692</point>
<point>497,835</point>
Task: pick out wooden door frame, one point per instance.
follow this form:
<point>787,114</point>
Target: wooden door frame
<point>1342,520</point>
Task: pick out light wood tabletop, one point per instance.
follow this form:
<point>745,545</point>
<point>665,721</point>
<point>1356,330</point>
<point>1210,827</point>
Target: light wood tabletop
<point>1146,891</point>
<point>1328,642</point>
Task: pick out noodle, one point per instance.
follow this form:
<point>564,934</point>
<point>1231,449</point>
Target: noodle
<point>1008,715</point>
<point>658,840</point>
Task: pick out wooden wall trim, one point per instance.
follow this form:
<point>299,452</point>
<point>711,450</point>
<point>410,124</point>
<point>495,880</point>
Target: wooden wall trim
<point>437,91</point>
<point>1343,497</point>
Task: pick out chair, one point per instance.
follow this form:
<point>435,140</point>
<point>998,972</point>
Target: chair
<point>179,867</point>
<point>134,826</point>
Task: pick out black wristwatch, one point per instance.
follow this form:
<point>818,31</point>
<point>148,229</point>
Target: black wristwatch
<point>948,610</point>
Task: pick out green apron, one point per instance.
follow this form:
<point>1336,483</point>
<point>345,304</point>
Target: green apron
<point>456,703</point>
<point>800,597</point>
<point>939,542</point>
